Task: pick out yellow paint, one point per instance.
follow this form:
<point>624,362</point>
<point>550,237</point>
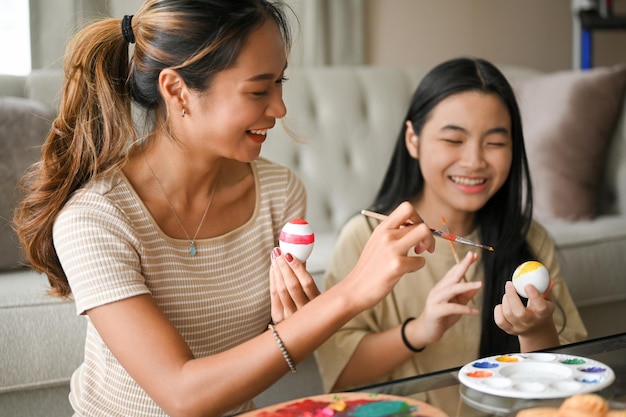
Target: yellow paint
<point>527,267</point>
<point>507,358</point>
<point>338,406</point>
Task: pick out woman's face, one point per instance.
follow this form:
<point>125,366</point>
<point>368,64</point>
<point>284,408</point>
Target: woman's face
<point>232,117</point>
<point>464,150</point>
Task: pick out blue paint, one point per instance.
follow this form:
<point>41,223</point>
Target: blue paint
<point>485,365</point>
<point>381,409</point>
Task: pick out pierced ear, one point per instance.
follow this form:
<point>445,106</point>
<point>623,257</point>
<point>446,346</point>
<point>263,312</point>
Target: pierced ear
<point>411,140</point>
<point>173,90</point>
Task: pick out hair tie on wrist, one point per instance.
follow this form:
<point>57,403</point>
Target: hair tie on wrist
<point>405,340</point>
<point>127,29</point>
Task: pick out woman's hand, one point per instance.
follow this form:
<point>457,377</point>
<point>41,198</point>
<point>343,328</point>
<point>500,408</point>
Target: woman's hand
<point>446,304</point>
<point>291,285</point>
<point>533,324</point>
<point>385,257</point>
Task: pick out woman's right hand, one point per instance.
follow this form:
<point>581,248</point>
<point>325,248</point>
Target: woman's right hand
<point>385,257</point>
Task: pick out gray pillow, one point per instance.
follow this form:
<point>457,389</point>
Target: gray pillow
<point>568,119</point>
<point>24,125</point>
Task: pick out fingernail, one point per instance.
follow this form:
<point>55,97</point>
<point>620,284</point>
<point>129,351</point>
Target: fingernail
<point>288,257</point>
<point>275,253</point>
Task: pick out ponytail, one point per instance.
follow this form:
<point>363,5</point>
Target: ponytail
<point>94,134</point>
<point>91,136</point>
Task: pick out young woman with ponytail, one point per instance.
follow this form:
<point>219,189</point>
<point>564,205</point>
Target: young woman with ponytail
<point>161,227</point>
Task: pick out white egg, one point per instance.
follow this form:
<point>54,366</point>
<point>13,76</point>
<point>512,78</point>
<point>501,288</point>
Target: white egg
<point>297,238</point>
<point>533,273</point>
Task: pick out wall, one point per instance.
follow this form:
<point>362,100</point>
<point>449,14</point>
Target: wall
<point>535,33</point>
<point>54,22</point>
<point>118,8</point>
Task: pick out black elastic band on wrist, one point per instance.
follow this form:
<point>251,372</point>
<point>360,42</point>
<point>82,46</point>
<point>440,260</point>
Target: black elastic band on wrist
<point>406,341</point>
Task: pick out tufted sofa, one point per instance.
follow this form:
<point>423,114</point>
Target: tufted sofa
<point>346,119</point>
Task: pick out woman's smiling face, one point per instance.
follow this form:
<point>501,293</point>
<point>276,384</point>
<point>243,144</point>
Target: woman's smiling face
<point>464,150</point>
<point>244,101</point>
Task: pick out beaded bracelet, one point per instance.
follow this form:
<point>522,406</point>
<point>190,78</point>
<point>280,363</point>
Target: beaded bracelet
<point>405,340</point>
<point>282,348</point>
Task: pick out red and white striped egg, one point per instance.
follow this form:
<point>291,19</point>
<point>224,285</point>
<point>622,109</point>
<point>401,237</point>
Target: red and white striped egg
<point>297,238</point>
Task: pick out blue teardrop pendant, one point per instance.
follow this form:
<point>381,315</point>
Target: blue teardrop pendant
<point>192,249</point>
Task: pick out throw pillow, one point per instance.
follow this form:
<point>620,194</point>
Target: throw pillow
<point>24,125</point>
<point>568,119</point>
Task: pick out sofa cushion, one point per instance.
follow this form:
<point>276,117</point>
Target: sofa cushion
<point>591,256</point>
<point>12,85</point>
<point>569,118</point>
<point>43,338</point>
<point>24,124</point>
<point>44,85</point>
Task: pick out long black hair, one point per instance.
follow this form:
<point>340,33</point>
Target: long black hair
<point>506,217</point>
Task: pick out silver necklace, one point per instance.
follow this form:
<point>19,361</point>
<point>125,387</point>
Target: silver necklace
<point>192,242</point>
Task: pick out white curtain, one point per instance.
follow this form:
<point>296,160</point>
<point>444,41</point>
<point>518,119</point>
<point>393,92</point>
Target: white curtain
<point>328,32</point>
<point>53,23</point>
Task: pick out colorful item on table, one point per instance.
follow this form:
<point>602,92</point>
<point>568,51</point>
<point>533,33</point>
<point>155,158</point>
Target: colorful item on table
<point>297,238</point>
<point>533,273</point>
<point>356,404</point>
<point>536,375</point>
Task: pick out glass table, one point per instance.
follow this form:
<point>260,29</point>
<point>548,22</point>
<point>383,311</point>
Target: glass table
<point>610,350</point>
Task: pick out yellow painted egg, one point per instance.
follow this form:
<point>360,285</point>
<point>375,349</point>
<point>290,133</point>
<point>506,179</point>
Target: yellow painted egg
<point>531,272</point>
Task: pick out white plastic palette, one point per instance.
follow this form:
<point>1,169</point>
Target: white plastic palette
<point>536,375</point>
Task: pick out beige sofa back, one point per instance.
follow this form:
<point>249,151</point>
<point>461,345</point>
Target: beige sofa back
<point>349,118</point>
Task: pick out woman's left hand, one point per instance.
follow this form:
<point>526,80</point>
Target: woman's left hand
<point>533,323</point>
<point>291,285</point>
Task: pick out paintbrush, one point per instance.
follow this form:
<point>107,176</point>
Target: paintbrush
<point>437,233</point>
<point>455,252</point>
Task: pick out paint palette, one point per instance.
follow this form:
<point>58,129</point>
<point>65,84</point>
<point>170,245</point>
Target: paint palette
<point>349,404</point>
<point>536,375</point>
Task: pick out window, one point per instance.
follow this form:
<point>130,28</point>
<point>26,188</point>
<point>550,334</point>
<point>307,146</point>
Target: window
<point>15,36</point>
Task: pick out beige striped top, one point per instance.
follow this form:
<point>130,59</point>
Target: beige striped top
<point>460,343</point>
<point>111,248</point>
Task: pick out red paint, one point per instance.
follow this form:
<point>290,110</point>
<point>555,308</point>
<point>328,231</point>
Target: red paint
<point>480,374</point>
<point>297,239</point>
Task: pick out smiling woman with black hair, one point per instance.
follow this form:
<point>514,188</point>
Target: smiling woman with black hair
<point>459,156</point>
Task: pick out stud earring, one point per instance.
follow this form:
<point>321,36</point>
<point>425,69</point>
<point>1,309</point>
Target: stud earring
<point>183,113</point>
